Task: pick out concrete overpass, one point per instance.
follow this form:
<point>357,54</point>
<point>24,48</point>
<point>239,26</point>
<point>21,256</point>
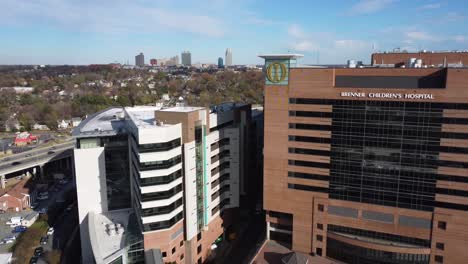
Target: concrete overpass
<point>36,158</point>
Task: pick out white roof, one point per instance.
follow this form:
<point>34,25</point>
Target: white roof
<point>102,123</point>
<point>281,56</point>
<point>182,109</point>
<point>142,116</point>
<point>103,244</point>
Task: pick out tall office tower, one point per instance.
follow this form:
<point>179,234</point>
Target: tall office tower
<point>159,184</point>
<point>367,165</point>
<point>228,57</point>
<point>186,58</point>
<point>140,60</point>
<point>220,62</point>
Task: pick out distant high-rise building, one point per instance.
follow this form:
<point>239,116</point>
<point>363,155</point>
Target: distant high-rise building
<point>186,58</point>
<point>220,62</point>
<point>228,57</point>
<point>154,62</point>
<point>140,60</point>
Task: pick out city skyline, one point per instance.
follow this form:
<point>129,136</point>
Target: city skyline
<point>87,32</point>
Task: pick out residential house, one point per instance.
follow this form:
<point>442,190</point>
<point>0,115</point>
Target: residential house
<point>16,198</point>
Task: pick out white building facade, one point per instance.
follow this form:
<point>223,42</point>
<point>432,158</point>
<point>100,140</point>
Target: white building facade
<point>153,168</point>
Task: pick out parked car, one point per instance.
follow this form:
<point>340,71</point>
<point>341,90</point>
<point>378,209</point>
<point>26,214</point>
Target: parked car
<point>38,251</point>
<point>44,240</point>
<point>15,221</point>
<point>50,231</point>
<point>51,152</point>
<point>19,229</point>
<point>43,210</point>
<point>43,193</point>
<point>63,181</point>
<point>33,260</point>
<point>15,163</point>
<point>33,205</point>
<point>44,197</point>
<point>8,240</point>
<point>69,208</point>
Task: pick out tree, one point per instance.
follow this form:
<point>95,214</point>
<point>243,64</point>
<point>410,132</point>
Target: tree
<point>53,257</point>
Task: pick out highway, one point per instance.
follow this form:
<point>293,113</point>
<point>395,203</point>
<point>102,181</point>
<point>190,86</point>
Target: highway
<point>35,157</point>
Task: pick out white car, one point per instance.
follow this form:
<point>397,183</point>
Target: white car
<point>8,240</point>
<point>50,231</point>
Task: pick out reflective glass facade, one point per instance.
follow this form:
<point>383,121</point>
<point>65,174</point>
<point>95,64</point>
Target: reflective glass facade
<point>117,172</point>
<point>358,255</point>
<point>385,153</point>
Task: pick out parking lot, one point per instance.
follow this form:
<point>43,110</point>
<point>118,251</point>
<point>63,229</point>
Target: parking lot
<point>54,199</point>
<point>6,230</point>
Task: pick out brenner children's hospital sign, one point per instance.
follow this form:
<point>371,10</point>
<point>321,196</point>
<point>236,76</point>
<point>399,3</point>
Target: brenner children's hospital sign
<point>388,95</point>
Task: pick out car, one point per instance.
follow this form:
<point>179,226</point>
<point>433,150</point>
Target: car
<point>33,260</point>
<point>33,205</point>
<point>63,181</point>
<point>38,251</point>
<point>19,229</point>
<point>44,240</point>
<point>7,241</point>
<point>50,231</point>
<point>43,197</point>
<point>15,163</point>
<point>43,210</point>
<point>69,208</point>
<point>28,155</point>
<point>6,159</point>
<point>44,193</point>
<point>51,152</point>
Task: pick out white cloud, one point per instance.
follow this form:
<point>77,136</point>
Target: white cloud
<point>419,35</point>
<point>431,6</point>
<point>327,46</point>
<point>296,31</point>
<point>459,38</point>
<point>110,16</point>
<point>369,6</point>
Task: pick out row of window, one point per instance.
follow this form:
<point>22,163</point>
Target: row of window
<point>157,165</point>
<point>405,119</point>
<point>219,192</point>
<point>155,147</point>
<point>309,151</point>
<point>221,126</point>
<point>310,176</point>
<point>309,164</point>
<point>223,154</point>
<point>416,105</point>
<point>222,178</point>
<point>222,166</point>
<point>352,254</point>
<point>307,188</point>
<point>163,224</point>
<point>160,179</point>
<point>161,210</point>
<point>379,235</point>
<point>220,143</point>
<point>161,195</point>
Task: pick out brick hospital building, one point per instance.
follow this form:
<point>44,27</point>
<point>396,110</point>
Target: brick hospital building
<point>367,165</point>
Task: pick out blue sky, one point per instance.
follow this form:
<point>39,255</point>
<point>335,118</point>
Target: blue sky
<point>332,31</point>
